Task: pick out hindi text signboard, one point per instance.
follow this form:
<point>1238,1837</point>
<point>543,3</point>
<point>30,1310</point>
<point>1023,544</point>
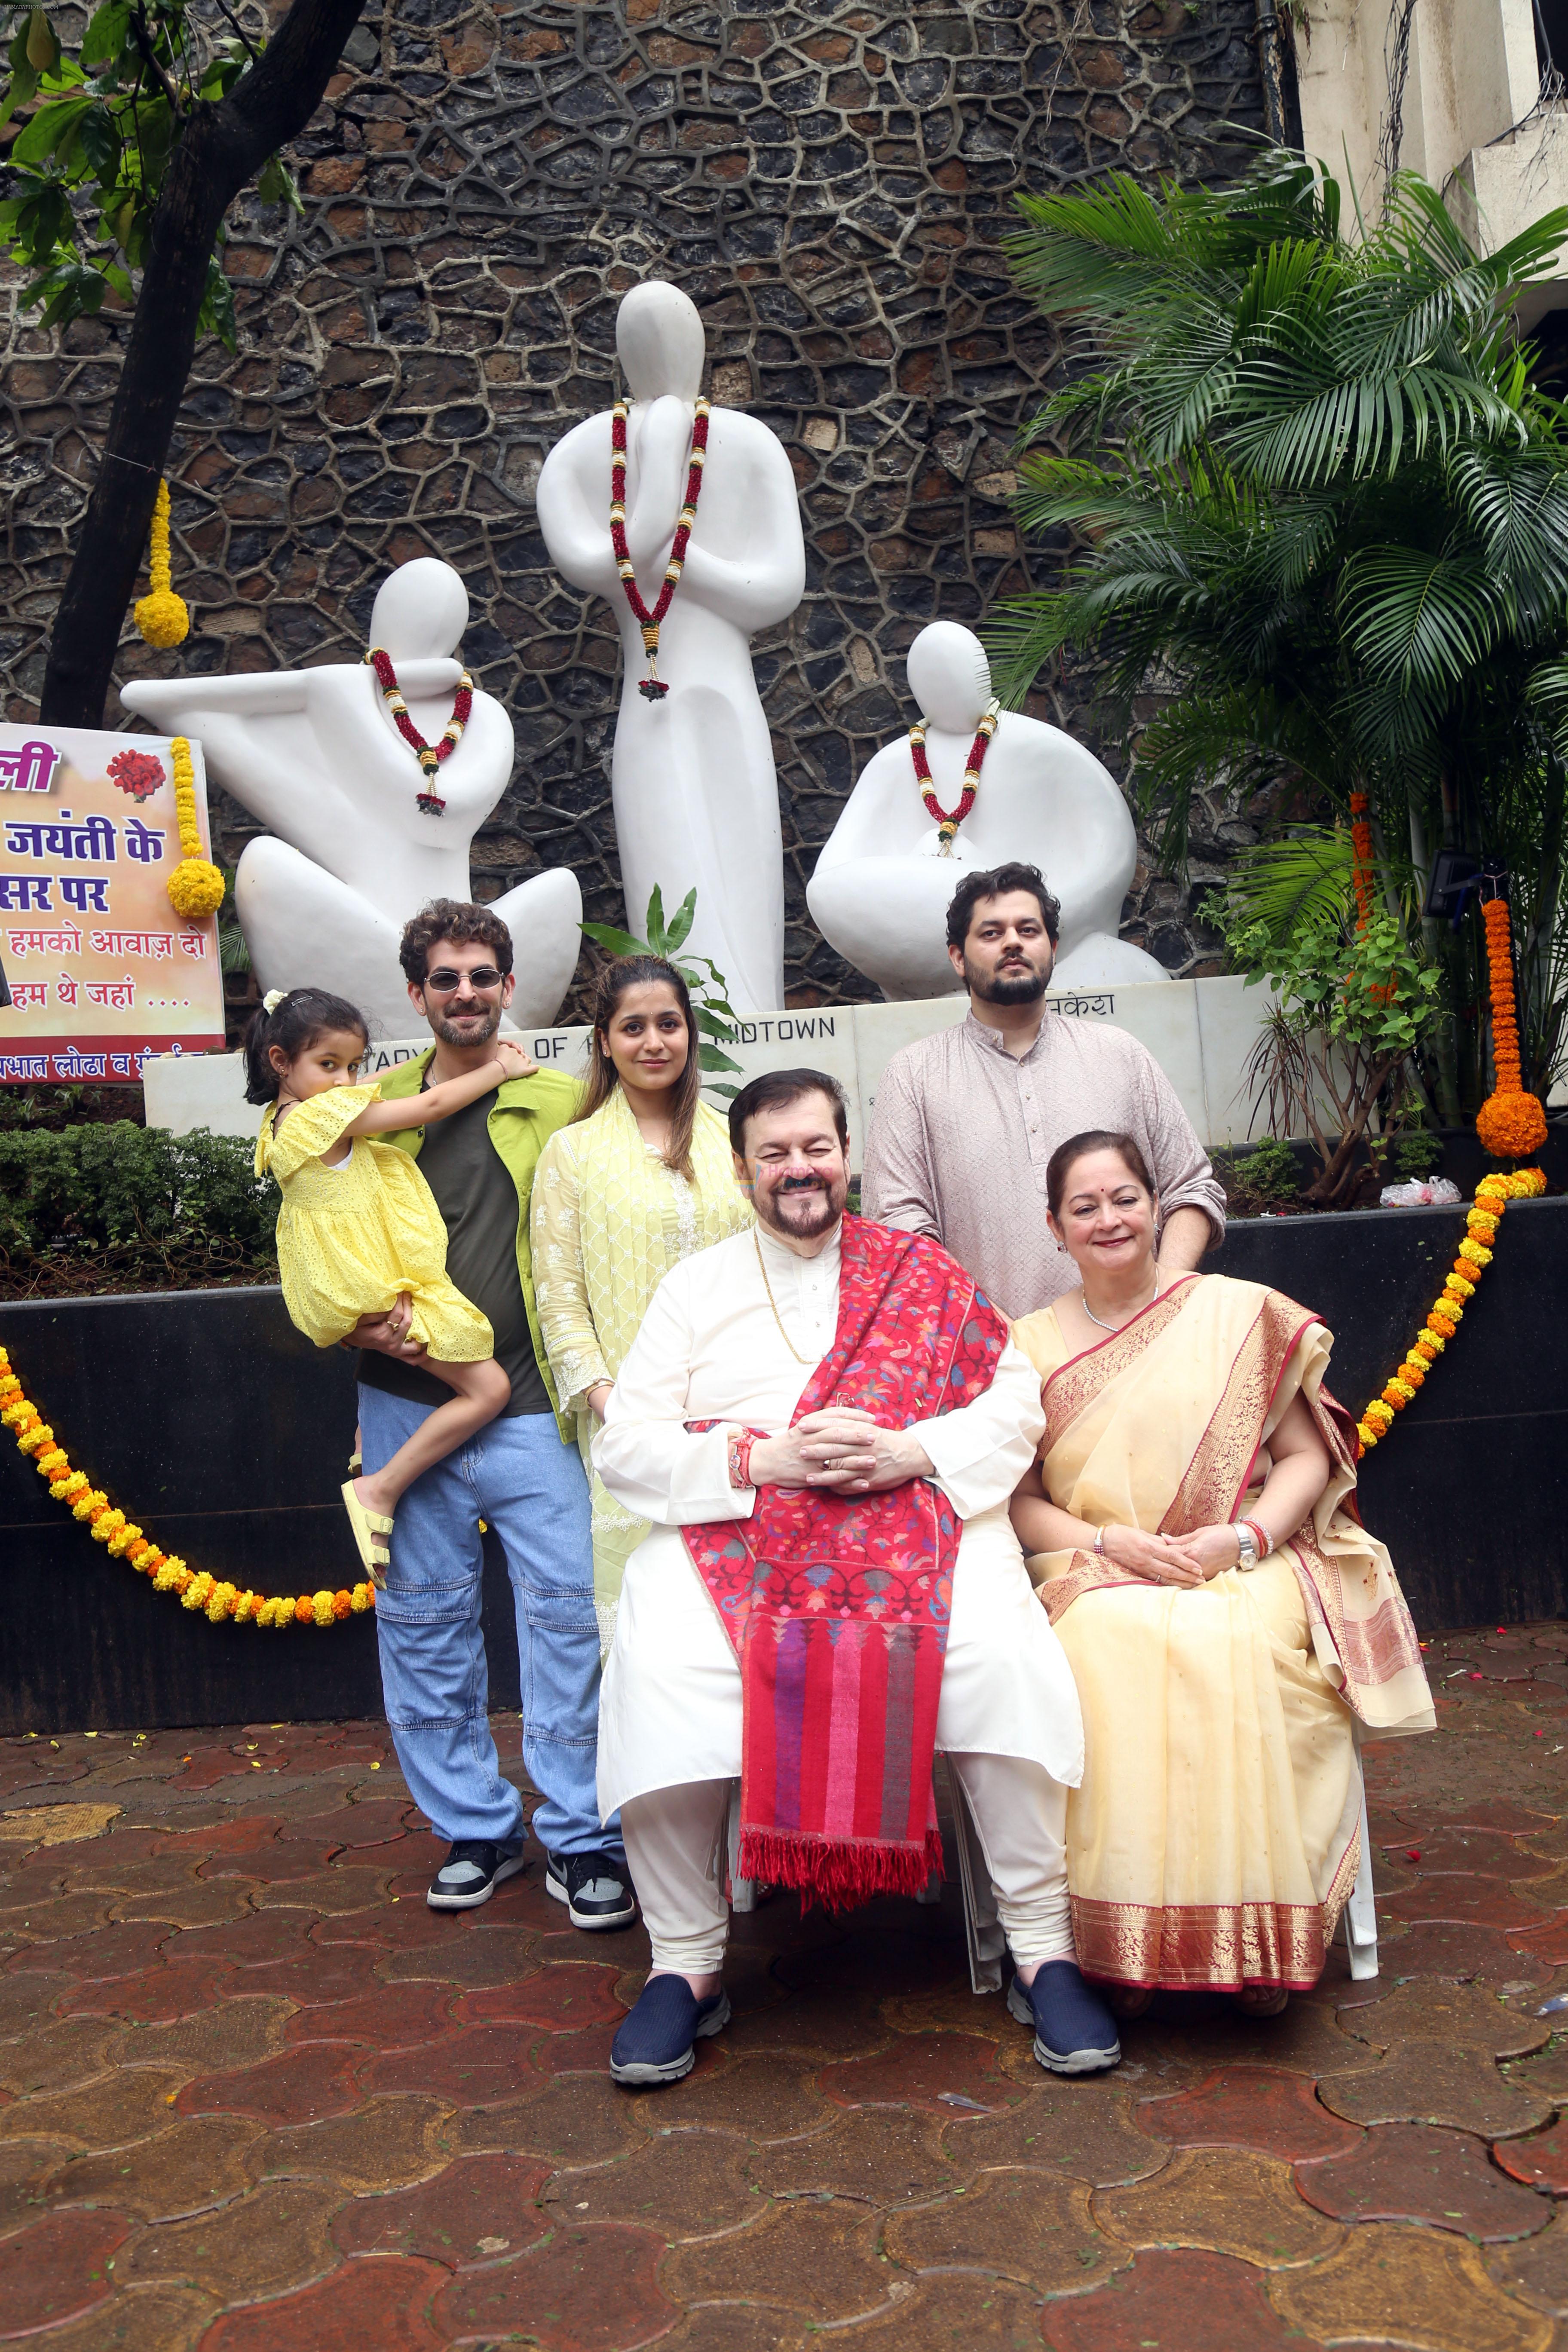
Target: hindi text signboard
<point>100,969</point>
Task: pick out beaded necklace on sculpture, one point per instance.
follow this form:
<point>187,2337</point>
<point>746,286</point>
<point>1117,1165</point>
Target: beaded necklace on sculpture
<point>949,820</point>
<point>429,755</point>
<point>653,686</point>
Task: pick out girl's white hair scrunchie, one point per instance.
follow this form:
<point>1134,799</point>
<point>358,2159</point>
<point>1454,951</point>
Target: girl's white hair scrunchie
<point>273,999</point>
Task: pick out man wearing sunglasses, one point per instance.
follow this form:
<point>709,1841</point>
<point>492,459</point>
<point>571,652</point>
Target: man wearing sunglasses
<point>521,1475</point>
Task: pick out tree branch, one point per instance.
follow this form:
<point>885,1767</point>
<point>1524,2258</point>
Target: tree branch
<point>222,144</point>
<point>160,73</point>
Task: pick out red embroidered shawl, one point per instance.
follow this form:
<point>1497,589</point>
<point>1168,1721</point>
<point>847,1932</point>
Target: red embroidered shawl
<point>838,1605</point>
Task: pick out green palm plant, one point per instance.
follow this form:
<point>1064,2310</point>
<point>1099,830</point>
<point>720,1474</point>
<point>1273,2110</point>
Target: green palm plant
<point>1313,498</point>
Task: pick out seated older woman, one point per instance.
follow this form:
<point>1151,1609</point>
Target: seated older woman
<point>1190,1525</point>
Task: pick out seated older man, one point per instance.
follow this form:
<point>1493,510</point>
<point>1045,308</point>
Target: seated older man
<point>824,1420</point>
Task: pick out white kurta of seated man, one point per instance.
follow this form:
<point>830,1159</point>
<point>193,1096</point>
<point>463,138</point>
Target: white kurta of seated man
<point>709,1349</point>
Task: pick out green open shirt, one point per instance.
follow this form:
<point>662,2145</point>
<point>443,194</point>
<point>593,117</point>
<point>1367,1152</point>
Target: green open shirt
<point>524,1113</point>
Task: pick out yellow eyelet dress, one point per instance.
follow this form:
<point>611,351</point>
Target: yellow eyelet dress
<point>352,1238</point>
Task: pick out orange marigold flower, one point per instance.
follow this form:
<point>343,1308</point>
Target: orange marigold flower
<point>342,1605</point>
<point>1510,1122</point>
<point>305,1608</point>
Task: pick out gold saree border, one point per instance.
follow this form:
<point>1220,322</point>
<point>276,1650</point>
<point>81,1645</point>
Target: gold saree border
<point>1075,1384</point>
<point>1213,1947</point>
<point>1215,1478</point>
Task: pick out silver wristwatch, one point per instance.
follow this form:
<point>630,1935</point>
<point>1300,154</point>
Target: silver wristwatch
<point>1247,1543</point>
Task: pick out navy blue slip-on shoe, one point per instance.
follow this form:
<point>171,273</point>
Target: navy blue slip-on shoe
<point>1075,2033</point>
<point>656,2042</point>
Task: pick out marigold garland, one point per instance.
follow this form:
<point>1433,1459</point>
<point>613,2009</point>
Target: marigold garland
<point>194,1589</point>
<point>1493,1194</point>
<point>1361,842</point>
<point>196,887</point>
<point>163,617</point>
<point>1510,1122</point>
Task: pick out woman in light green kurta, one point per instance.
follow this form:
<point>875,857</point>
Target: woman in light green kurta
<point>641,1179</point>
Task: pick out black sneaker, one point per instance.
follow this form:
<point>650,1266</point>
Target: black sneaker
<point>1075,2033</point>
<point>470,1875</point>
<point>594,1888</point>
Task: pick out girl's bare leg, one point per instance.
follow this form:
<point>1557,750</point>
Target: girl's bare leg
<point>482,1390</point>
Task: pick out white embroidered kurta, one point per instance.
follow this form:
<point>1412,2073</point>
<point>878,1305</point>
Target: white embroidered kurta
<point>711,1350</point>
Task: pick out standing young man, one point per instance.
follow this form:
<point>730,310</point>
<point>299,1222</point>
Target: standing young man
<point>965,1122</point>
<point>521,1475</point>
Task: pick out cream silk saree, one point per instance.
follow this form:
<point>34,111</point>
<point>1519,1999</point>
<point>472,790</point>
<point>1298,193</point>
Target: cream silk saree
<point>1216,1835</point>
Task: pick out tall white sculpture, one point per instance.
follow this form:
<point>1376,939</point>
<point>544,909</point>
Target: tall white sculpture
<point>351,855</point>
<point>880,891</point>
<point>695,790</point>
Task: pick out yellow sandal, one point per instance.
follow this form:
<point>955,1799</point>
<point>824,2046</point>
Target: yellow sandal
<point>370,1530</point>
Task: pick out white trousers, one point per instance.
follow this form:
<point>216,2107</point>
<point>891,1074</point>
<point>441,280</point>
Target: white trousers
<point>675,1845</point>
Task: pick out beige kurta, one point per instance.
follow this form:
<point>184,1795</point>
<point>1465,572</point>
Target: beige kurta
<point>711,1348</point>
<point>962,1132</point>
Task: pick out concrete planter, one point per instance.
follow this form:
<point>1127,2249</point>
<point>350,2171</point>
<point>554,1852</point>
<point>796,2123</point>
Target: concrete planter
<point>208,1418</point>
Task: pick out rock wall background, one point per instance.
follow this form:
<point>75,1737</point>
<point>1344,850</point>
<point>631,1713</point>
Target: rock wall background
<point>828,182</point>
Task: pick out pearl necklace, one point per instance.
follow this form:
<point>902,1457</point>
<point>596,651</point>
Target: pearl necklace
<point>1127,1319</point>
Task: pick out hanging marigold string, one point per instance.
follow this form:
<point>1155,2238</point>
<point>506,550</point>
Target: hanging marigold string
<point>195,1589</point>
<point>1361,842</point>
<point>653,686</point>
<point>196,887</point>
<point>949,820</point>
<point>430,756</point>
<point>1510,1122</point>
<point>163,617</point>
<point>1493,1194</point>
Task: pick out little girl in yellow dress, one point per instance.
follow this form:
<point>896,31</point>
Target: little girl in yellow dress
<point>359,1228</point>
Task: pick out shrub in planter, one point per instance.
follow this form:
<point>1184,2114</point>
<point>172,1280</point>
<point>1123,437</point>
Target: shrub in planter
<point>123,1207</point>
<point>1260,1181</point>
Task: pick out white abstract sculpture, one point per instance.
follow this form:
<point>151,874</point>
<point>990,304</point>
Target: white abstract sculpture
<point>316,755</point>
<point>880,891</point>
<point>695,790</point>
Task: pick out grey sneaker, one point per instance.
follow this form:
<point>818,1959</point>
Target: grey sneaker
<point>594,1888</point>
<point>470,1875</point>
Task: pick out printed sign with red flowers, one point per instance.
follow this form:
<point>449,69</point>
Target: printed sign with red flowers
<point>97,969</point>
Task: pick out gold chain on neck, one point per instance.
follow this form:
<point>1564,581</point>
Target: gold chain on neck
<point>772,1302</point>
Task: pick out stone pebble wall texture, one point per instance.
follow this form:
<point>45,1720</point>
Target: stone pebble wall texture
<point>829,182</point>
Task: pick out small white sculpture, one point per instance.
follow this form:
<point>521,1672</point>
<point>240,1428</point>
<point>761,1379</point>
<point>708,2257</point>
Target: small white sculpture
<point>695,789</point>
<point>880,891</point>
<point>316,755</point>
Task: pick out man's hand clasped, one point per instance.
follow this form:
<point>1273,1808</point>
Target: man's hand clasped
<point>842,1449</point>
<point>387,1335</point>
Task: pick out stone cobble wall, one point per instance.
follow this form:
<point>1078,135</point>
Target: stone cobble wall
<point>830,182</point>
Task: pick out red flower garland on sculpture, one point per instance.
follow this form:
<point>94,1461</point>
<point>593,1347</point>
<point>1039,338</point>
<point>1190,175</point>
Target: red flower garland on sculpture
<point>652,687</point>
<point>949,820</point>
<point>429,755</point>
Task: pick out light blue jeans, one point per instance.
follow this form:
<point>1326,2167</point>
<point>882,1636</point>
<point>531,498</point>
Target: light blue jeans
<point>517,1475</point>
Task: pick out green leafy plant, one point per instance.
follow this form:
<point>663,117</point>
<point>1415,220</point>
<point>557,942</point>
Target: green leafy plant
<point>1417,1153</point>
<point>96,1208</point>
<point>715,1015</point>
<point>128,141</point>
<point>1354,1002</point>
<point>1318,506</point>
<point>1264,1176</point>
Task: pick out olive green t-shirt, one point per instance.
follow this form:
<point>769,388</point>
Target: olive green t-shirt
<point>478,1205</point>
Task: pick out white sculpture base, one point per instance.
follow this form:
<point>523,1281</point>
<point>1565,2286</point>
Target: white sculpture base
<point>1200,1031</point>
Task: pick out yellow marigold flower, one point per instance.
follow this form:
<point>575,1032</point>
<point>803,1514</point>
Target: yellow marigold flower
<point>246,1607</point>
<point>1380,1415</point>
<point>1427,1344</point>
<point>359,1599</point>
<point>33,1434</point>
<point>220,1601</point>
<point>70,1485</point>
<point>88,1502</point>
<point>196,1591</point>
<point>262,1613</point>
<point>167,1575</point>
<point>106,1525</point>
<point>1367,1434</point>
<point>1476,1254</point>
<point>1396,1393</point>
<point>322,1608</point>
<point>123,1537</point>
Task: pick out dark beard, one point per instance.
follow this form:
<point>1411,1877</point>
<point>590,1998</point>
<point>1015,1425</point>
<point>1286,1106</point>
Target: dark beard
<point>1010,988</point>
<point>832,1198</point>
<point>450,1035</point>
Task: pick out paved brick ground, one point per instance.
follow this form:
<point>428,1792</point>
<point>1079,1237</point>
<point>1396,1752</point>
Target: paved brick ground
<point>254,2096</point>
